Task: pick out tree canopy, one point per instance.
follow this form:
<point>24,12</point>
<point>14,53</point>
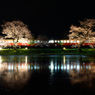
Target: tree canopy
<point>16,30</point>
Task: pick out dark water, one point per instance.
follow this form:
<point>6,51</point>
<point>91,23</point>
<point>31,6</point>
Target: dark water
<point>47,75</point>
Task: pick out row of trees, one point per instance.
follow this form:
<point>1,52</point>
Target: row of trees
<point>18,30</point>
<point>84,32</point>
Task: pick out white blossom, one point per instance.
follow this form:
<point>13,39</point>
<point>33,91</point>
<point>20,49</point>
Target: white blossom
<point>84,32</point>
<point>16,30</point>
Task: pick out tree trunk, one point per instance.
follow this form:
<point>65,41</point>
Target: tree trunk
<point>79,47</point>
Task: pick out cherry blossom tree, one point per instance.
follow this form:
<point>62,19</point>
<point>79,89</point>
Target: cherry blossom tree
<point>84,32</point>
<point>16,30</point>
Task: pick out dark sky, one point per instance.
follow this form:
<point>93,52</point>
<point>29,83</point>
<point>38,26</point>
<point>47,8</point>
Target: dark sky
<point>47,17</point>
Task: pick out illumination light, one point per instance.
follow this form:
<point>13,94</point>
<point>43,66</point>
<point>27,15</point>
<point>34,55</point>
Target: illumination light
<point>67,41</point>
<point>0,48</point>
<point>77,41</point>
<point>64,48</point>
<point>26,48</point>
<point>64,66</point>
<point>68,66</point>
<point>51,41</point>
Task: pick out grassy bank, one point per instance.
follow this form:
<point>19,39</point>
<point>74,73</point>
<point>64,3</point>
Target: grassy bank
<point>47,51</point>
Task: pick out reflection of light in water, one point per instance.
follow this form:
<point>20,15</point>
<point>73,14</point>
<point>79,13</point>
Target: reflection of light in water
<point>8,67</point>
<point>17,78</point>
<point>31,67</point>
<point>64,66</point>
<point>58,67</point>
<point>74,66</point>
<point>55,67</point>
<point>28,66</point>
<point>61,66</point>
<point>34,67</point>
<point>68,67</point>
<point>64,60</point>
<point>0,61</point>
<point>71,66</point>
<point>55,64</point>
<point>51,66</point>
<point>38,67</point>
<point>78,67</point>
<point>89,67</point>
<point>19,66</point>
<point>25,59</point>
<point>22,66</point>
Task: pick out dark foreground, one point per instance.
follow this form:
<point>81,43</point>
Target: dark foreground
<point>47,75</point>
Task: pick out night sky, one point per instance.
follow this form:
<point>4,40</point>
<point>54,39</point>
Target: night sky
<point>52,18</point>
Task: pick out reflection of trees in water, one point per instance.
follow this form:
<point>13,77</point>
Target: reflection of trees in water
<point>85,78</point>
<point>15,78</point>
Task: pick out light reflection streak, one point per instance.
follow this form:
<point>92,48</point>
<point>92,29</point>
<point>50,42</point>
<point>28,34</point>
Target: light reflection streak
<point>23,66</point>
<point>19,75</point>
<point>64,60</point>
<point>68,67</point>
<point>0,62</point>
<point>25,60</point>
<point>54,66</point>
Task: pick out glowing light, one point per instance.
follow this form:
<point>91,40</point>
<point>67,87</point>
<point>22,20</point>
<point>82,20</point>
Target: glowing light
<point>52,67</point>
<point>9,67</point>
<point>25,60</point>
<point>26,48</point>
<point>64,48</point>
<point>35,67</point>
<point>64,66</point>
<point>55,41</point>
<point>0,61</point>
<point>77,41</point>
<point>68,66</point>
<point>0,48</point>
<point>74,66</point>
<point>31,67</point>
<point>64,41</point>
<point>58,67</point>
<point>22,66</point>
<point>12,66</point>
<point>71,66</point>
<point>64,60</point>
<point>71,41</point>
<point>61,41</point>
<point>55,67</point>
<point>51,41</point>
<point>78,67</point>
<point>28,66</point>
<point>67,41</point>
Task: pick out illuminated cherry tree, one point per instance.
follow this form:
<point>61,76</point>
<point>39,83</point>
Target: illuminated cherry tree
<point>84,32</point>
<point>16,30</point>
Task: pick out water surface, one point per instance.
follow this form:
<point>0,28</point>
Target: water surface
<point>52,74</point>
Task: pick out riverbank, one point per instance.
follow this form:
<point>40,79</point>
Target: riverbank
<point>42,51</point>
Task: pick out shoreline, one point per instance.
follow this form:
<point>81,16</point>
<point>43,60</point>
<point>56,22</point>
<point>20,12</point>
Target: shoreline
<point>88,52</point>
